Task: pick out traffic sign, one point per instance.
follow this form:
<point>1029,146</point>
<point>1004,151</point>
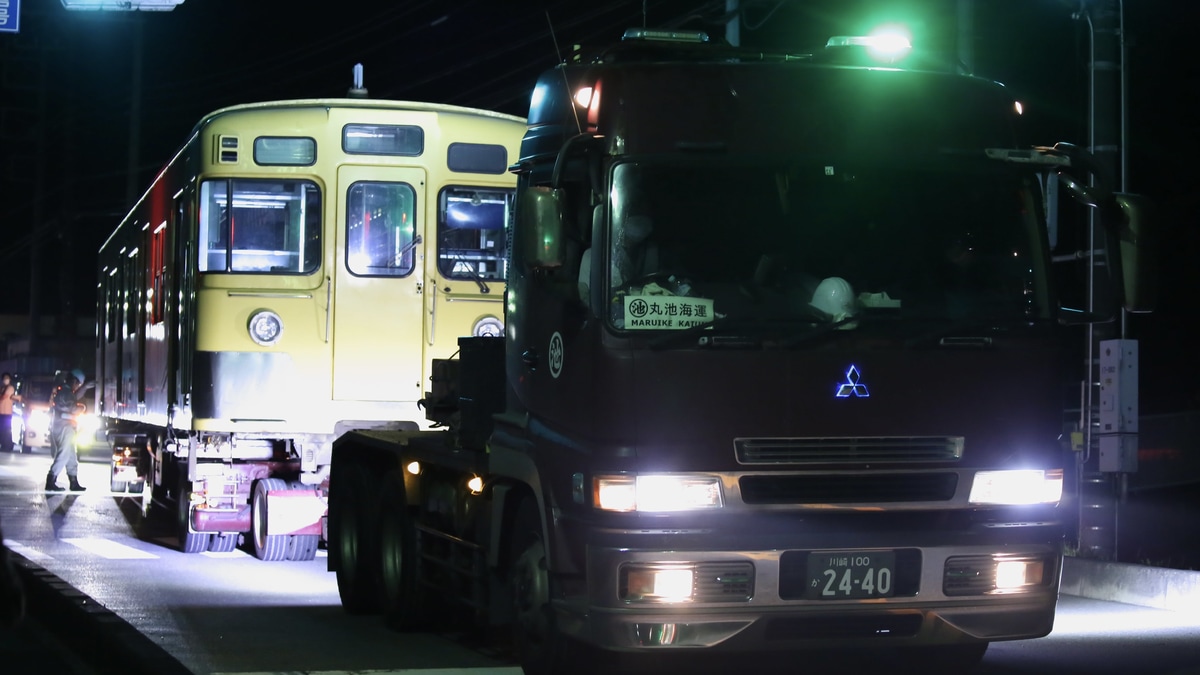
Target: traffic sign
<point>10,16</point>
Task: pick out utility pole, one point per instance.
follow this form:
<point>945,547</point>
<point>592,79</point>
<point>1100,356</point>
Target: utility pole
<point>1103,468</point>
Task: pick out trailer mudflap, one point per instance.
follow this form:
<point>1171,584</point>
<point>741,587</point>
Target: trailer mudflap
<point>294,512</point>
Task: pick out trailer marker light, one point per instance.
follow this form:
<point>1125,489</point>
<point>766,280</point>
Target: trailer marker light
<point>475,485</point>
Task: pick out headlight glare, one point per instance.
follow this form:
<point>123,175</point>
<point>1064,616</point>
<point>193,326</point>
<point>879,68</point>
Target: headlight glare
<point>1026,486</point>
<point>657,493</point>
<point>657,583</point>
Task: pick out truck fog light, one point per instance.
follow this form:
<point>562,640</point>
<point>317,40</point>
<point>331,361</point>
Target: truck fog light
<point>657,584</point>
<point>1014,574</point>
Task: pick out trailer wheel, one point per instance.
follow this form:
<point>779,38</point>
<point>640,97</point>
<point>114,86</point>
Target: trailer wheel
<point>270,547</point>
<point>402,603</point>
<point>535,638</point>
<point>223,542</point>
<point>352,492</point>
<point>302,547</point>
<point>189,542</point>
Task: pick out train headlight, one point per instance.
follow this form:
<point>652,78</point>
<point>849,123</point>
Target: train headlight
<point>488,326</point>
<point>265,327</point>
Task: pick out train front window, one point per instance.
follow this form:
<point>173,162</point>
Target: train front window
<point>381,229</point>
<point>471,238</point>
<point>260,226</point>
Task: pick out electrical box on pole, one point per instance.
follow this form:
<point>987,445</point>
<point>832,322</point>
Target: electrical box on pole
<point>1118,406</point>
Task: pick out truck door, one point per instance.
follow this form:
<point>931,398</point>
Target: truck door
<point>377,309</point>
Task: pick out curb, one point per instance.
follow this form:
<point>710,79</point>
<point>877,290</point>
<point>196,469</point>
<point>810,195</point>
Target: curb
<point>100,638</point>
<point>1158,587</point>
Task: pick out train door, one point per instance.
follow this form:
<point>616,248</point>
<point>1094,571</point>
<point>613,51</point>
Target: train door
<point>377,308</point>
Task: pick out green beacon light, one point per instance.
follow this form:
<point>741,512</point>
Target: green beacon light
<point>883,46</point>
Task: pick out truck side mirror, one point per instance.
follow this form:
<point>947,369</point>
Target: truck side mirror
<point>539,231</point>
<point>1138,243</point>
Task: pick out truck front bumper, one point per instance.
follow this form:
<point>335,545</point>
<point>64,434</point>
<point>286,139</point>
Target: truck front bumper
<point>754,600</point>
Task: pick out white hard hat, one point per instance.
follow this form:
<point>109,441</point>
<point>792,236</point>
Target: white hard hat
<point>834,297</point>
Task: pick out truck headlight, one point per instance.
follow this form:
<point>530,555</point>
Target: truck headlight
<point>657,492</point>
<point>1025,486</point>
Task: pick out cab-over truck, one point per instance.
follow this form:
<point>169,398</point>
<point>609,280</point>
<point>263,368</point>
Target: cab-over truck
<point>782,368</point>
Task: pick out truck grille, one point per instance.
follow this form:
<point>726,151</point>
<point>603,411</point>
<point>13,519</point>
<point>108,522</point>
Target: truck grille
<point>848,450</point>
<point>974,575</point>
<point>847,489</point>
<point>724,582</point>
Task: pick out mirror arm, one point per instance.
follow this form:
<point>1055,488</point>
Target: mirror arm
<point>561,161</point>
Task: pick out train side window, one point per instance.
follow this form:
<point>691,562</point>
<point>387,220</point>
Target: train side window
<point>471,236</point>
<point>380,229</point>
<point>260,226</point>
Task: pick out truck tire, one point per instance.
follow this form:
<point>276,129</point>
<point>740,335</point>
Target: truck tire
<point>402,605</point>
<point>535,637</point>
<point>269,547</point>
<point>223,542</point>
<point>189,542</point>
<point>302,547</point>
<point>353,490</point>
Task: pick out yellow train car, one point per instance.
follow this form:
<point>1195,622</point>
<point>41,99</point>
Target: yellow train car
<point>289,275</point>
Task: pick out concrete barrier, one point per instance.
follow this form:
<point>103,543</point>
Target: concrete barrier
<point>1159,587</point>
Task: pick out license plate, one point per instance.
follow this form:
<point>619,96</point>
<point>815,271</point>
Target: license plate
<point>838,575</point>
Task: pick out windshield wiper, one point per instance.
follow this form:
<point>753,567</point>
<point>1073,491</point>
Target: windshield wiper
<point>818,331</point>
<point>971,334</point>
<point>483,287</point>
<point>724,332</point>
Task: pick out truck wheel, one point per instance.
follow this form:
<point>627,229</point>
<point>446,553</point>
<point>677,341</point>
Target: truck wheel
<point>352,536</point>
<point>189,542</point>
<point>398,557</point>
<point>535,638</point>
<point>223,542</point>
<point>302,547</point>
<point>270,547</point>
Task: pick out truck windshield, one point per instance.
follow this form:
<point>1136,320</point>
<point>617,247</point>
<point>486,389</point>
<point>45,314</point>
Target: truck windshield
<point>819,241</point>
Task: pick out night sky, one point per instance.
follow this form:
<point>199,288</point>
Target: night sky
<point>73,73</point>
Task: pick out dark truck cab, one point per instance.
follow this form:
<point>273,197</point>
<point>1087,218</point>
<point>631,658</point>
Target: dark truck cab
<point>782,369</point>
<point>784,356</point>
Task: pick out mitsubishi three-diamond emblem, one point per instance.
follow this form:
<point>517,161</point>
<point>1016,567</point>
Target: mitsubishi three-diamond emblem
<point>853,385</point>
